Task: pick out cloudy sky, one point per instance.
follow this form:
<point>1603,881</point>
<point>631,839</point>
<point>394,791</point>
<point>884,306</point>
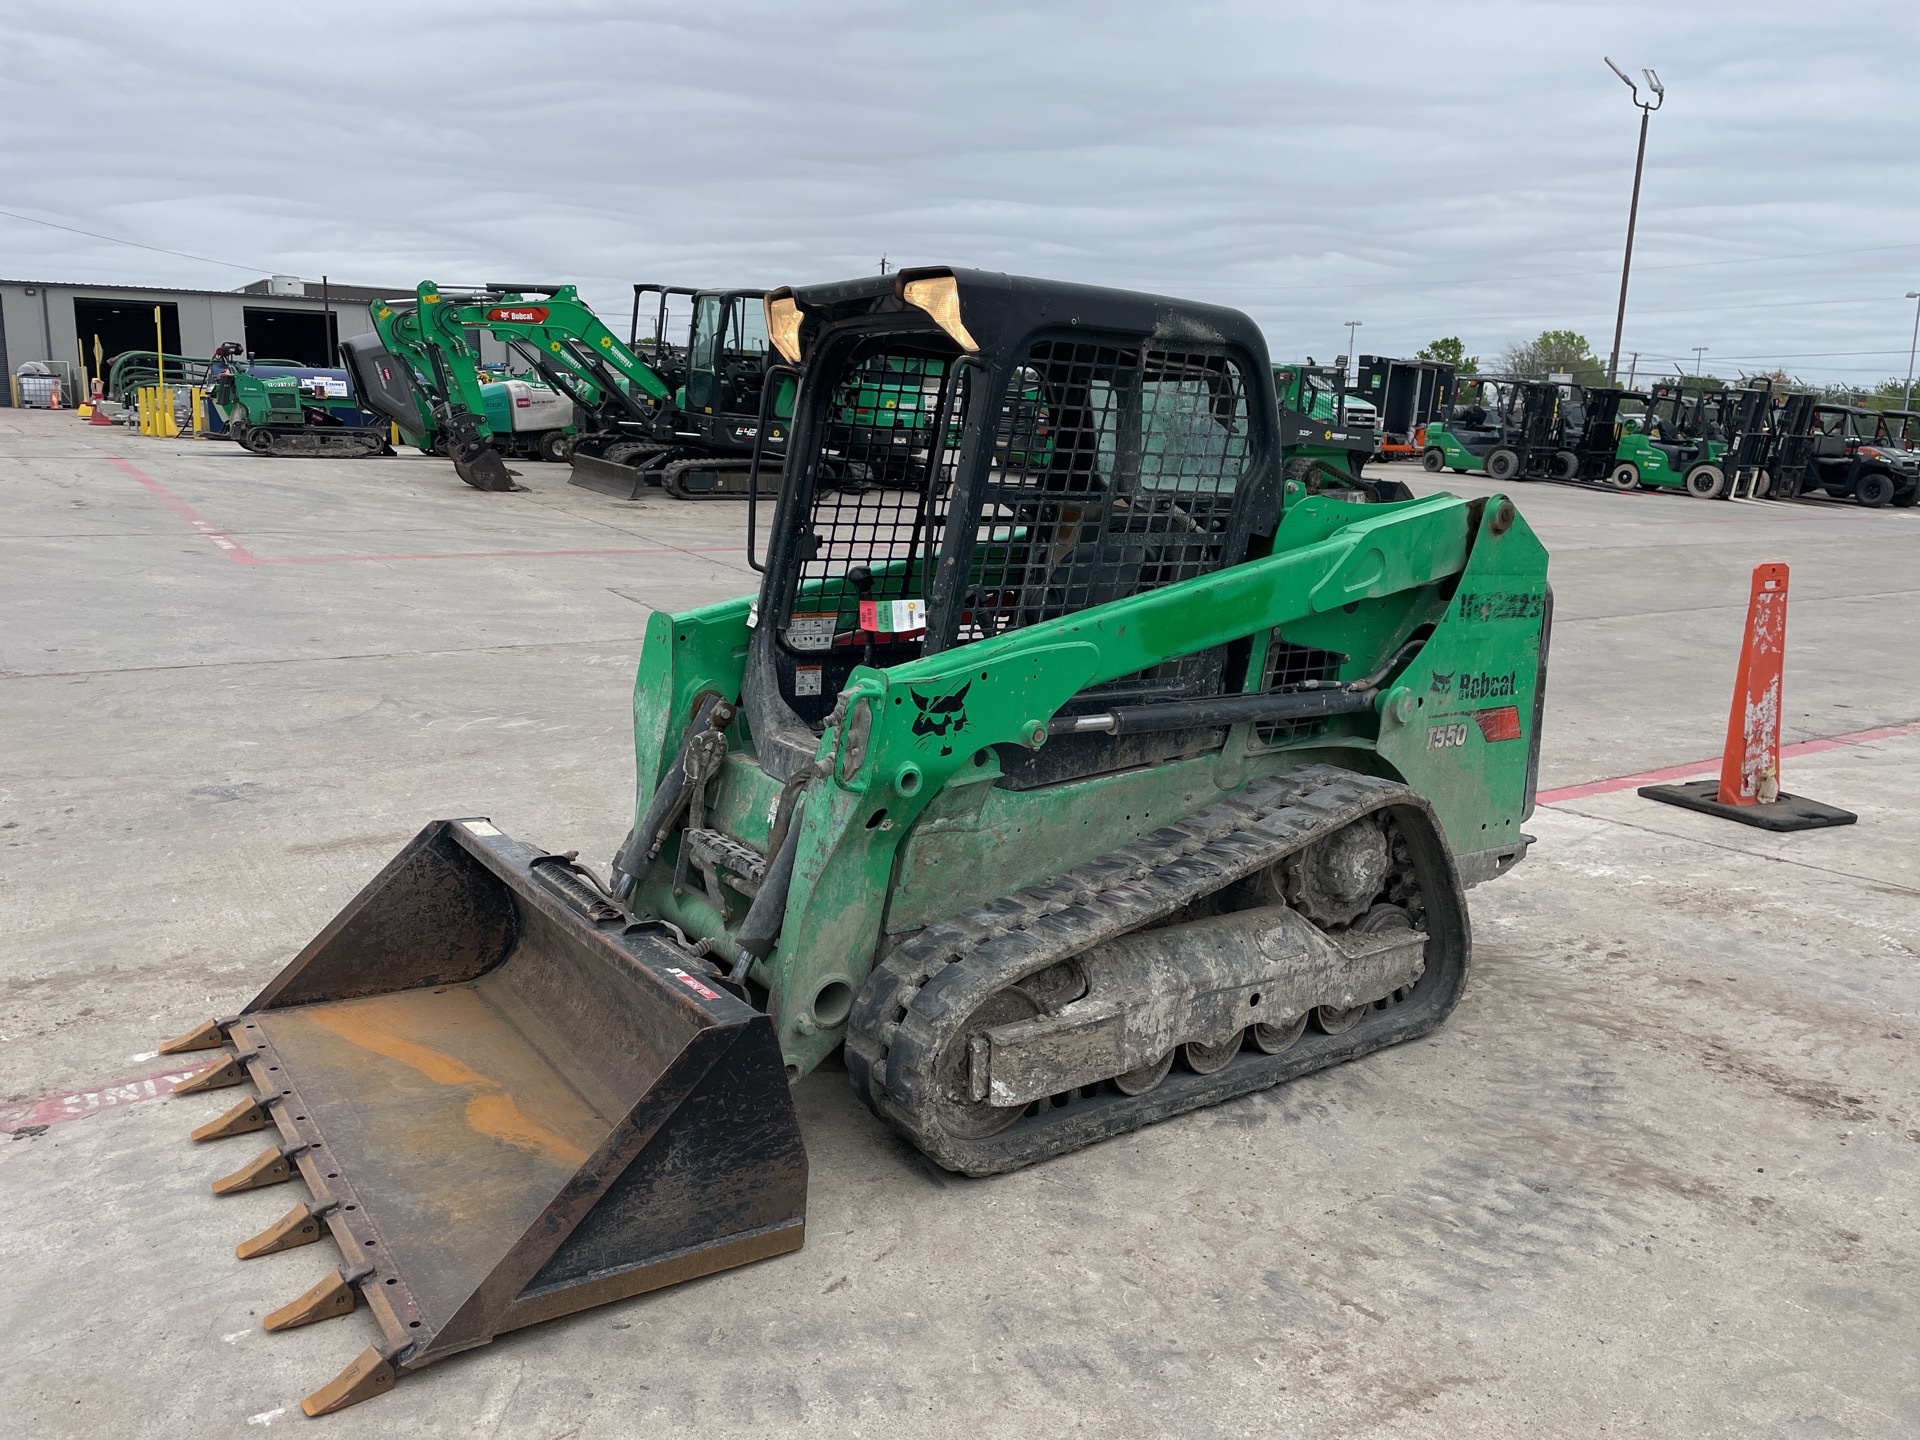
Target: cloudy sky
<point>1427,169</point>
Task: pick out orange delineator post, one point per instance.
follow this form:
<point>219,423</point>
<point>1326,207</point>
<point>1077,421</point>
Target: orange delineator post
<point>1748,789</point>
<point>1750,763</point>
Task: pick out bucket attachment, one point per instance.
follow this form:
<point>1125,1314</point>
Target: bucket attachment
<point>484,470</point>
<point>508,1103</point>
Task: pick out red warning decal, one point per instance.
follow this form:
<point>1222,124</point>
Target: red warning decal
<point>692,984</point>
<point>1498,724</point>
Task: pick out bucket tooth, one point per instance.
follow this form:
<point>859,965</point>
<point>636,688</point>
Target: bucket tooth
<point>272,1166</point>
<point>242,1119</point>
<point>332,1297</point>
<point>370,1374</point>
<point>216,1076</point>
<point>299,1226</point>
<point>202,1037</point>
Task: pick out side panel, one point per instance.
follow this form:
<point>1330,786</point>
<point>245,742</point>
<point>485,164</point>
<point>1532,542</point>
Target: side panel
<point>1457,725</point>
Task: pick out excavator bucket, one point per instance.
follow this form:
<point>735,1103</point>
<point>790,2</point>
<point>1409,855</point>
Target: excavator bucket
<point>482,468</point>
<point>507,1102</point>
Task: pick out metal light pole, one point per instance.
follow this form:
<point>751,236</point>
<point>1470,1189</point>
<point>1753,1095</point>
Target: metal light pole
<point>1633,211</point>
<point>1352,357</point>
<point>1906,398</point>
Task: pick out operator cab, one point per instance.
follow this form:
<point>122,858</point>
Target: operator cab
<point>975,453</point>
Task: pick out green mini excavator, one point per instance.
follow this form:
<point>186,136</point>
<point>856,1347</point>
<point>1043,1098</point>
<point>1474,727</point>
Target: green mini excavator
<point>1063,787</point>
<point>420,370</point>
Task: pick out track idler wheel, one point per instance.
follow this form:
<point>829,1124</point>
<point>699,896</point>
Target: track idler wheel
<point>964,1112</point>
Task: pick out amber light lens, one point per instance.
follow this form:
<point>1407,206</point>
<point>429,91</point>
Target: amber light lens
<point>783,326</point>
<point>940,298</point>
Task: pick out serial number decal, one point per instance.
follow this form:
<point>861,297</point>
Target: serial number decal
<point>1504,605</point>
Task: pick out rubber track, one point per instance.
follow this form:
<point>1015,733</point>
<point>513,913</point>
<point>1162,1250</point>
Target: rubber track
<point>725,471</point>
<point>914,1002</point>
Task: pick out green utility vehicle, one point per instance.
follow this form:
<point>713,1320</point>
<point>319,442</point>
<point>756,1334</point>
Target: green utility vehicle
<point>1504,428</point>
<point>1846,453</point>
<point>1675,443</point>
<point>1327,436</point>
<point>284,409</point>
<point>1061,797</point>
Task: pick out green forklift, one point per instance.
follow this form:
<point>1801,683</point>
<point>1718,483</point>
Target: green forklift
<point>1503,427</point>
<point>1675,443</point>
<point>1591,427</point>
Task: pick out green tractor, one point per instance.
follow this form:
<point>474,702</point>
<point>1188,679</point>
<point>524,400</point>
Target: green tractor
<point>1062,795</point>
<point>1502,427</point>
<point>1675,443</point>
<point>285,409</point>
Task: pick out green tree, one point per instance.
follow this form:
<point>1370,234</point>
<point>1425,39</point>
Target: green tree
<point>1449,350</point>
<point>1554,352</point>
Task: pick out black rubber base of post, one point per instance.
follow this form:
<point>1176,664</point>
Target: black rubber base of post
<point>1789,812</point>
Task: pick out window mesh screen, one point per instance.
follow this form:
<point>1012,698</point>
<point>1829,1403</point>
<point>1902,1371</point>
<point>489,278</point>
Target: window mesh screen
<point>880,499</point>
<point>1291,667</point>
<point>1115,472</point>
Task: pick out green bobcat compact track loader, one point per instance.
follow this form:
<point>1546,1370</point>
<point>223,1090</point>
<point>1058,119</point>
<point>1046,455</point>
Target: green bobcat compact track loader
<point>1064,787</point>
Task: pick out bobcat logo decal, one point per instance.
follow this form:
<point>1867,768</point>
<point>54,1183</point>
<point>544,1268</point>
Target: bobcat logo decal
<point>940,716</point>
<point>1443,684</point>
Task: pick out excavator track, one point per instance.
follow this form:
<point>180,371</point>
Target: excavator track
<point>937,985</point>
<point>346,444</point>
<point>706,478</point>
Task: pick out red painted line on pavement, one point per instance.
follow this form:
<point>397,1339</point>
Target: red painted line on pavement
<point>59,1109</point>
<point>1702,767</point>
<point>240,555</point>
<point>229,547</point>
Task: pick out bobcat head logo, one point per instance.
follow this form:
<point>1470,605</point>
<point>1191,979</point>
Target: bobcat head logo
<point>940,716</point>
<point>1443,684</point>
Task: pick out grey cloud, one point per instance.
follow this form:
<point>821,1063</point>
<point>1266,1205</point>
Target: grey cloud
<point>1425,168</point>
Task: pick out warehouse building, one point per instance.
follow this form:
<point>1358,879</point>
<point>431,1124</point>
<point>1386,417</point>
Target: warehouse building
<point>76,330</point>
